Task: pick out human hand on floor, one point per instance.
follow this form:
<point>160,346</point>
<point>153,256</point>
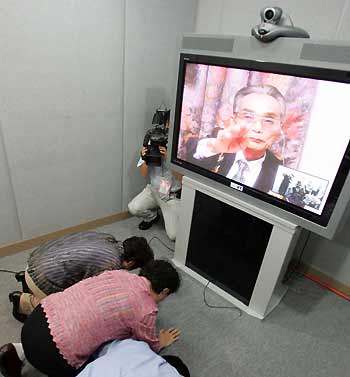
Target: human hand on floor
<point>168,337</point>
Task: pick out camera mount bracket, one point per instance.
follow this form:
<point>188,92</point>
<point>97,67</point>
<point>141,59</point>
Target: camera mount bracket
<point>275,24</point>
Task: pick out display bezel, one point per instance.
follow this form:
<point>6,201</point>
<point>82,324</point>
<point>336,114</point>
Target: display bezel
<point>318,73</point>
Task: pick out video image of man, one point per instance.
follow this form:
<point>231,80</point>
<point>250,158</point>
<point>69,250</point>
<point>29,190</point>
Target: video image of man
<point>265,130</point>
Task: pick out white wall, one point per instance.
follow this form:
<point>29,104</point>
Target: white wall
<point>153,36</point>
<point>61,104</point>
<point>64,139</point>
<point>329,19</point>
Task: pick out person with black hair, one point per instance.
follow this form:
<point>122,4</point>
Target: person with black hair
<point>66,328</point>
<point>162,193</point>
<point>133,358</point>
<point>161,274</point>
<point>58,264</point>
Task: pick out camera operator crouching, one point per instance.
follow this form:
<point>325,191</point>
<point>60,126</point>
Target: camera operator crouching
<point>164,188</point>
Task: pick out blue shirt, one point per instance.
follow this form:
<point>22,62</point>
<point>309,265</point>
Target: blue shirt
<point>128,358</point>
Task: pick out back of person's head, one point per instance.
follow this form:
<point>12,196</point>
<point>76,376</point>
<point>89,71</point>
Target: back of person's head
<point>161,274</point>
<point>137,249</point>
<point>178,364</point>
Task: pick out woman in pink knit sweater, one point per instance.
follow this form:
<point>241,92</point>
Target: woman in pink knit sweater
<point>62,333</point>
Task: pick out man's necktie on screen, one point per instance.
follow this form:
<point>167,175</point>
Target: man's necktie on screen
<point>242,169</point>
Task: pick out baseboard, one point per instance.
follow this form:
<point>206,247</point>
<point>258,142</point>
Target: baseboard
<point>22,245</point>
<point>322,277</point>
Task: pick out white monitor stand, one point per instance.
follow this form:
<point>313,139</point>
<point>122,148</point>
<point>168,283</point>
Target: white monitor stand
<point>268,289</point>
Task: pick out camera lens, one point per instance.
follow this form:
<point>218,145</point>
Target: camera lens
<point>269,13</point>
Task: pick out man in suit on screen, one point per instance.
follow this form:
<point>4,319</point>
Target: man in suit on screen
<point>241,151</point>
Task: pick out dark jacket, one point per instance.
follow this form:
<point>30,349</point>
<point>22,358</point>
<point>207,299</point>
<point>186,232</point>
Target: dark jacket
<point>222,163</point>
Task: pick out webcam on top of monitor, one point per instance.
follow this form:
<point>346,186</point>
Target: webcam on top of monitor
<point>275,24</point>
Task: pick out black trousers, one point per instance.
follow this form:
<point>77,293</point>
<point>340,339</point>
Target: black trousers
<point>40,349</point>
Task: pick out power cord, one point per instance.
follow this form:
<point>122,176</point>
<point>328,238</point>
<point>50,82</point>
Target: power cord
<point>302,251</point>
<point>9,271</point>
<point>205,288</point>
<point>294,270</point>
<point>239,311</point>
<point>155,237</point>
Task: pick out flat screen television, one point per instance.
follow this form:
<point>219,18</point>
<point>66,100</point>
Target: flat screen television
<point>278,132</point>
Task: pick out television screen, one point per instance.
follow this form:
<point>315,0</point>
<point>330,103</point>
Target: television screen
<point>275,131</point>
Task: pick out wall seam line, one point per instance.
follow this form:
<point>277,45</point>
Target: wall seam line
<point>2,141</point>
<point>123,109</point>
<point>341,19</point>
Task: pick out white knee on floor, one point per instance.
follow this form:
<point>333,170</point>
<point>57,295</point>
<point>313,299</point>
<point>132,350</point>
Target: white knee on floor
<point>131,208</point>
<point>170,231</point>
<point>172,236</point>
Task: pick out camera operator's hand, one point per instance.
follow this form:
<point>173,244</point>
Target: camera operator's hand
<point>163,152</point>
<point>143,168</point>
<point>143,151</point>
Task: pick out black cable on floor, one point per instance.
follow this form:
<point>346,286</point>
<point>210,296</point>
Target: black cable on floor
<point>294,270</point>
<point>239,311</point>
<point>9,271</point>
<point>169,248</point>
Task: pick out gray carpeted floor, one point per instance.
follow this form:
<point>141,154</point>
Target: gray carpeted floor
<point>308,334</point>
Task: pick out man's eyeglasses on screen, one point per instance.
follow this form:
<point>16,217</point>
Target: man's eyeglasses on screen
<point>250,118</point>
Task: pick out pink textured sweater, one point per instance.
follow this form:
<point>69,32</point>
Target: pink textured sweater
<point>113,305</point>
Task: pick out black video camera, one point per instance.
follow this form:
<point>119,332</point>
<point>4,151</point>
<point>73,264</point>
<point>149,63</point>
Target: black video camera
<point>156,137</point>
